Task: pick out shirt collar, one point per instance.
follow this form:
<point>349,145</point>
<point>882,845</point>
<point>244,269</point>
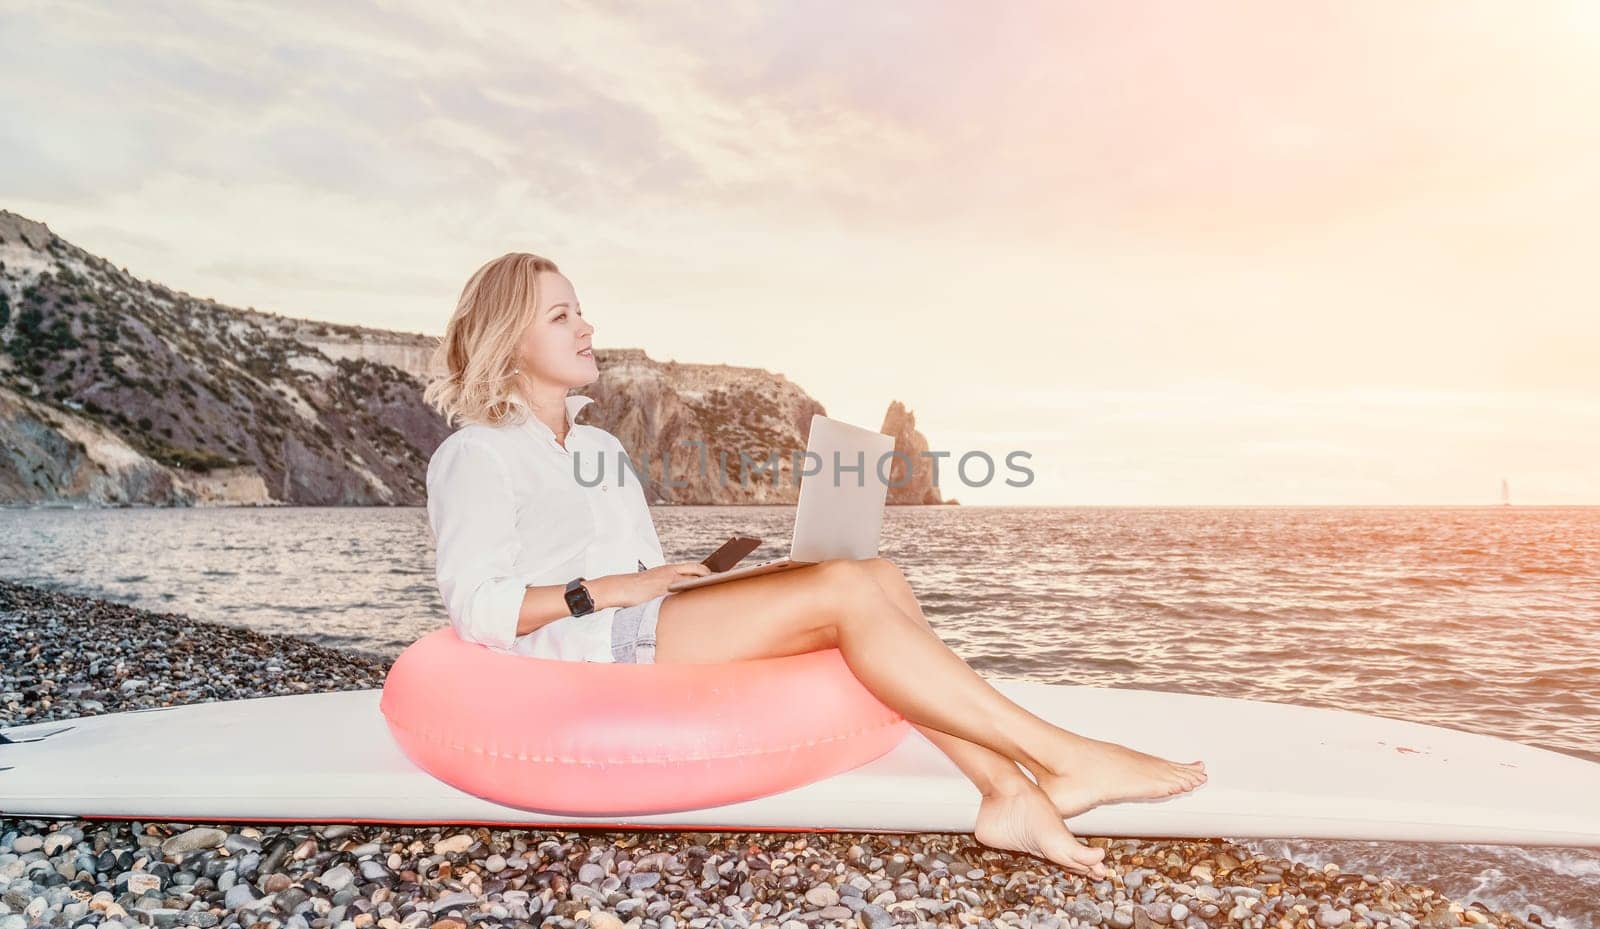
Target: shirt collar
<point>574,403</point>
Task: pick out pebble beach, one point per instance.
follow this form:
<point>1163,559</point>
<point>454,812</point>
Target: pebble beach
<point>68,656</point>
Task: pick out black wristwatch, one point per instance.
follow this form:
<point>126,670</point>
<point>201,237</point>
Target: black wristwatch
<point>578,598</point>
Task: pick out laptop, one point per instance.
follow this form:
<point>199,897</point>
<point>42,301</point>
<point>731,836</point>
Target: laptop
<point>834,518</point>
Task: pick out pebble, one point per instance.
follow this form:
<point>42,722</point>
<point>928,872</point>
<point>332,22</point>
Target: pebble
<point>128,875</point>
<point>192,841</point>
<point>239,896</point>
<point>873,916</point>
<point>140,883</point>
<point>291,899</point>
<point>407,880</point>
<point>1086,911</point>
<point>457,898</point>
<point>454,845</point>
<point>337,879</point>
<point>237,844</point>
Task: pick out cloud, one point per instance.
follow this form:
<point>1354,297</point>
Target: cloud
<point>322,278</point>
<point>1088,209</point>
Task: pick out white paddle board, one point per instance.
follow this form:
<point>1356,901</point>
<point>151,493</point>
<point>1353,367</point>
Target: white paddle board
<point>1275,771</point>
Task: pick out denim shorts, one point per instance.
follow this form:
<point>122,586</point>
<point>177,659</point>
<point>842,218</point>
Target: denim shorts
<point>633,632</point>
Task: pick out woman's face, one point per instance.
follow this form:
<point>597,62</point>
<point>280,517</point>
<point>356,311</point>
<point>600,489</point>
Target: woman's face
<point>557,348</point>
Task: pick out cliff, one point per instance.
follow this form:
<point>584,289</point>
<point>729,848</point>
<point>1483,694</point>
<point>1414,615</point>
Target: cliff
<point>115,390</point>
<point>703,417</point>
<point>164,398</point>
<point>919,487</point>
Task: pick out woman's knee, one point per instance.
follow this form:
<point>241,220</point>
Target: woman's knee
<point>853,591</point>
<point>847,580</point>
<point>884,571</point>
<point>892,581</point>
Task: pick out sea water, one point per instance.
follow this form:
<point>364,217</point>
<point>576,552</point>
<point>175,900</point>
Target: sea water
<point>1480,619</point>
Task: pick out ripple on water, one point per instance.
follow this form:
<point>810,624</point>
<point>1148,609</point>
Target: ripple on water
<point>1477,619</point>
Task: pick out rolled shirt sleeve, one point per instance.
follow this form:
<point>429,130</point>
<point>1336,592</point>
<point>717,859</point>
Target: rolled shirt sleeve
<point>471,512</point>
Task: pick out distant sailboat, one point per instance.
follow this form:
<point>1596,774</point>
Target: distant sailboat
<point>1505,492</point>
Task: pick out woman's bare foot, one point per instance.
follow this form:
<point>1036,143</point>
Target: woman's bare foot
<point>1021,819</point>
<point>1105,772</point>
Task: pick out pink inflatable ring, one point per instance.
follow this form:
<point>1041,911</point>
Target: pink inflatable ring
<point>597,739</point>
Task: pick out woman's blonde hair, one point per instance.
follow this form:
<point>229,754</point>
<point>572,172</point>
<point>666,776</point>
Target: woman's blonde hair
<point>470,375</point>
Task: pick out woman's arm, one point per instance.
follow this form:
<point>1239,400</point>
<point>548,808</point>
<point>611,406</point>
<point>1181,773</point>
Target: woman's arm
<point>541,605</point>
<point>544,605</point>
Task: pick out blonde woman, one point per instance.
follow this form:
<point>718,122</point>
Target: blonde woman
<point>534,562</point>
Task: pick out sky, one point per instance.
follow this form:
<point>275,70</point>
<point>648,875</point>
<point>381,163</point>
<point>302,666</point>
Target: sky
<point>1215,254</point>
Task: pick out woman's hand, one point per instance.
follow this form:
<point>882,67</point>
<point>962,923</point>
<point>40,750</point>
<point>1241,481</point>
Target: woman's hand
<point>631,589</point>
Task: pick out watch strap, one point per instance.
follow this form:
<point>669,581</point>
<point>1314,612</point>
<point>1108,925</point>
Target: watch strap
<point>578,597</point>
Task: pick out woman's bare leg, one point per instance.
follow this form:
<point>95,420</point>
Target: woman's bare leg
<point>1070,795</point>
<point>805,610</point>
<point>840,604</point>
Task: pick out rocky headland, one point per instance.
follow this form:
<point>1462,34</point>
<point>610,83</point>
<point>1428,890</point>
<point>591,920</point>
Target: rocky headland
<point>118,391</point>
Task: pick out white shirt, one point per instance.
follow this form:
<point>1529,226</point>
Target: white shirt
<point>507,513</point>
